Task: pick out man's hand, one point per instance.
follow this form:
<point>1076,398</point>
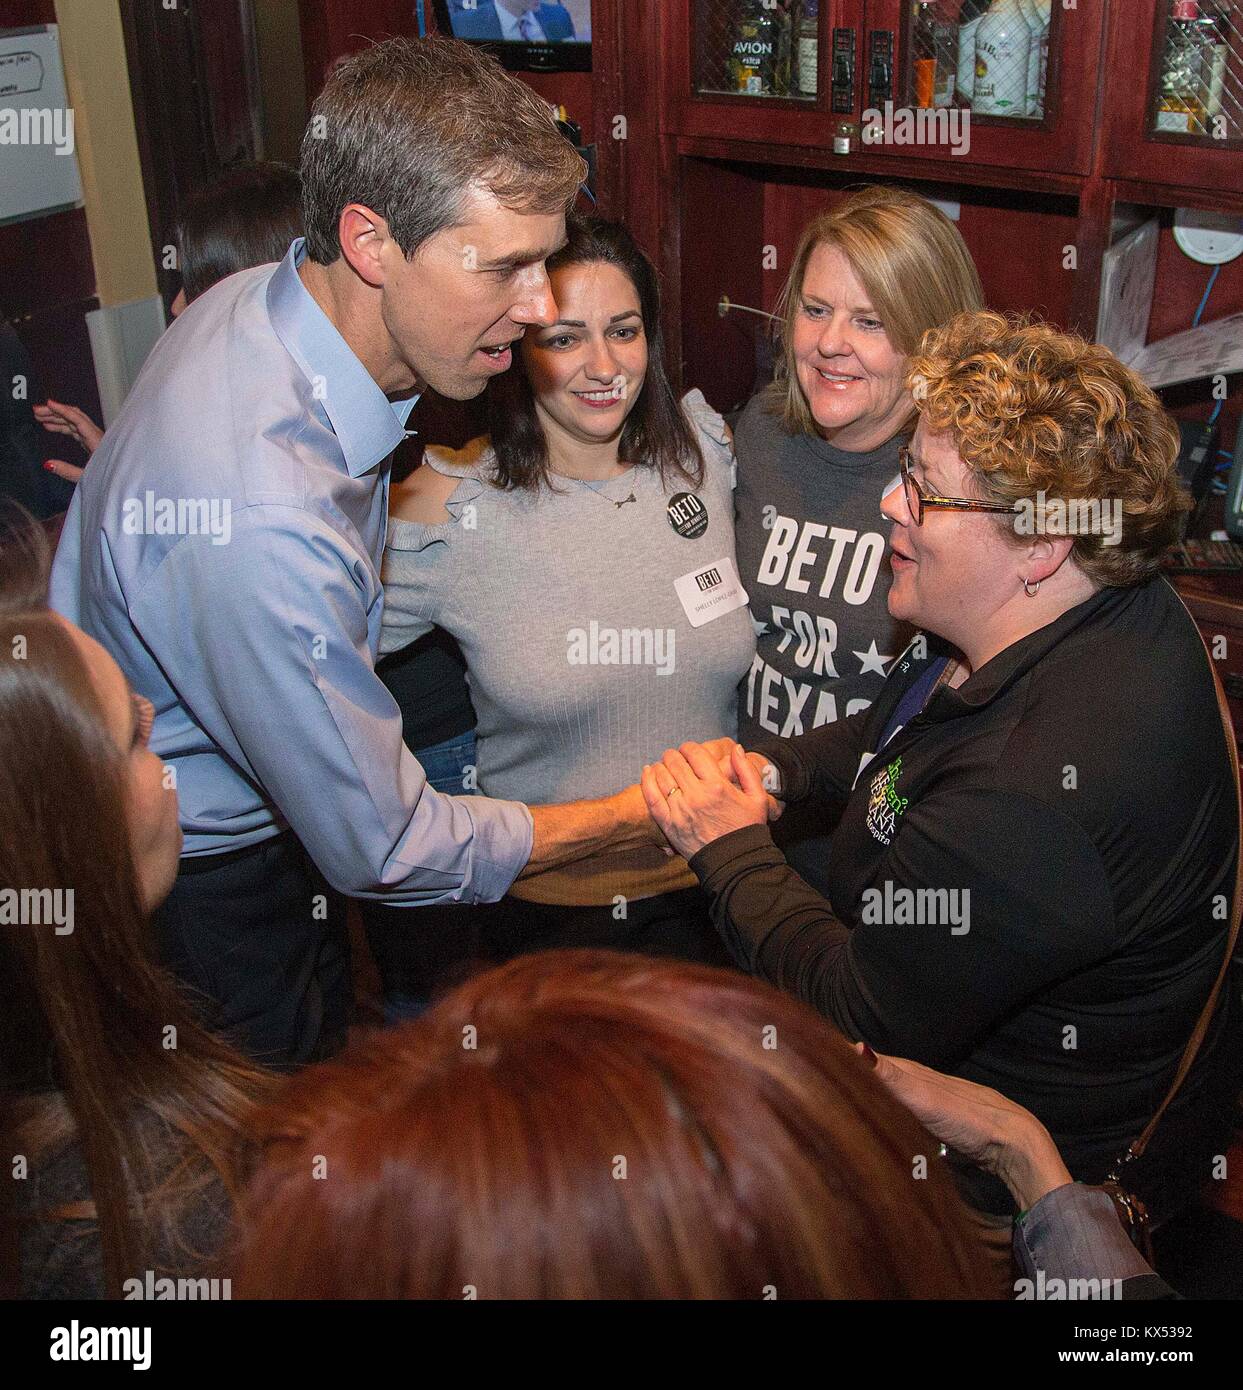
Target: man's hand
<point>694,803</point>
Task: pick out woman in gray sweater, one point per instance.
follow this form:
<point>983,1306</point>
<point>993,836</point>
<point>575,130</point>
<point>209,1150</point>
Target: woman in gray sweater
<point>583,558</point>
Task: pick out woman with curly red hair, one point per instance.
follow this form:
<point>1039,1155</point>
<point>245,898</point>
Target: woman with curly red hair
<point>1031,875</point>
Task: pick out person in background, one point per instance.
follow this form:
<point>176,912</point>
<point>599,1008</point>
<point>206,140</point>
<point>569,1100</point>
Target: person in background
<point>128,1118</point>
<point>435,187</point>
<point>1022,890</point>
<point>594,507</point>
<point>816,451</point>
<point>245,218</point>
<point>622,1128</point>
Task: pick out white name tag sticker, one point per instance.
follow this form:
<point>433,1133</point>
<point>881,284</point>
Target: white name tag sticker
<point>710,591</point>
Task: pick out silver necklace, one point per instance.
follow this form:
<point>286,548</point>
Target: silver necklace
<point>597,491</point>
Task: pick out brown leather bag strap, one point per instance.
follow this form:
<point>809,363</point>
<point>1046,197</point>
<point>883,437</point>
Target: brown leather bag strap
<point>1236,910</point>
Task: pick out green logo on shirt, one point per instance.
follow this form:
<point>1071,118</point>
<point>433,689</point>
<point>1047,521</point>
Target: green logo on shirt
<point>884,803</point>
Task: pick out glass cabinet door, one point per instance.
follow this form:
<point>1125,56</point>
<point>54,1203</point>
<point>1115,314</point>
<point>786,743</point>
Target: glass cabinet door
<point>1177,118</point>
<point>757,48</point>
<point>990,57</point>
<point>1014,81</point>
<point>1005,83</point>
<point>1198,87</point>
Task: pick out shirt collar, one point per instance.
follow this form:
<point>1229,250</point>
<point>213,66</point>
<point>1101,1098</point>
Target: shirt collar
<point>510,24</point>
<point>367,424</point>
<point>995,677</point>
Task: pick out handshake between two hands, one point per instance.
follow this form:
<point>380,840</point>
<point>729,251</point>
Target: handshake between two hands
<point>701,791</point>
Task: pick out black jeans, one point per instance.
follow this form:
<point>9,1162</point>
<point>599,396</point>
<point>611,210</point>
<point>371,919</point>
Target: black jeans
<point>261,937</point>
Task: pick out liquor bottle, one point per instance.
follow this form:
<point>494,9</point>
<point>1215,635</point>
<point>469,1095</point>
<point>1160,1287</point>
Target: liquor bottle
<point>807,48</point>
<point>1216,31</point>
<point>924,47</point>
<point>968,23</point>
<point>1186,73</point>
<point>783,71</point>
<point>753,57</point>
<point>933,64</point>
<point>1038,14</point>
<point>1002,45</point>
<point>945,37</point>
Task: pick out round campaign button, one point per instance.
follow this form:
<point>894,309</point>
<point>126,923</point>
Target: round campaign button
<point>687,515</point>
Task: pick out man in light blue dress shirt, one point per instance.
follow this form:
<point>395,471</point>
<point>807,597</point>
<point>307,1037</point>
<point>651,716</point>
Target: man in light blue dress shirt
<point>225,543</point>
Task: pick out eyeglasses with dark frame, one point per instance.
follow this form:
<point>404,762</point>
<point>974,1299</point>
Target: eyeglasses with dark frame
<point>917,499</point>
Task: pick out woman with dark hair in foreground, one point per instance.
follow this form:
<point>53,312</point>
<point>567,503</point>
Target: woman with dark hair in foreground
<point>582,554</point>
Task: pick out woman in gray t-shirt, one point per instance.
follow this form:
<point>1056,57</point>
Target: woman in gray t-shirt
<point>816,452</point>
<point>583,558</point>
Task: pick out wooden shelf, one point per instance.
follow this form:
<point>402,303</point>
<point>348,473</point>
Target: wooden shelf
<point>878,165</point>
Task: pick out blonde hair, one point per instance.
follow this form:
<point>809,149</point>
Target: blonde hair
<point>907,255</point>
<point>1032,411</point>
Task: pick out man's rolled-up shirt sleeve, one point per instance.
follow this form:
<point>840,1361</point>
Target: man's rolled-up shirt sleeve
<point>275,626</point>
<point>1038,907</point>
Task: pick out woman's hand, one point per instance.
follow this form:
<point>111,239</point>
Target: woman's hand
<point>769,774</point>
<point>980,1124</point>
<point>69,471</point>
<point>68,419</point>
<point>693,803</point>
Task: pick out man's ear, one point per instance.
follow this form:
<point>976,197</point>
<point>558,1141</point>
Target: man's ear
<point>363,236</point>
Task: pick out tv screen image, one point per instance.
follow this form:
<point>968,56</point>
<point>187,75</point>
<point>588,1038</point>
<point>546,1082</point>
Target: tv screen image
<point>539,34</point>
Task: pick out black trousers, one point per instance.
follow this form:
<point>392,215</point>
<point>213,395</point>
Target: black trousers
<point>676,925</point>
<point>446,944</point>
<point>260,937</point>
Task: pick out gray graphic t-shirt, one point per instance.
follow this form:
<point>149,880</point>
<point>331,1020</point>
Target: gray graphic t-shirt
<point>811,552</point>
<point>811,545</point>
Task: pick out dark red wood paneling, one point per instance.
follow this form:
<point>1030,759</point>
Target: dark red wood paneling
<point>722,242</point>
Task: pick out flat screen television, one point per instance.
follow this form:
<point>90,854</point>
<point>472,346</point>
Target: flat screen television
<point>526,35</point>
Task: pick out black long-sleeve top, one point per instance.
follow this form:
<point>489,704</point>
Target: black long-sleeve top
<point>1078,786</point>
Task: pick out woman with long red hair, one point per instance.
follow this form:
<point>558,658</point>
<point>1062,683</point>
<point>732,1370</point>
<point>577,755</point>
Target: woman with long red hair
<point>588,1124</point>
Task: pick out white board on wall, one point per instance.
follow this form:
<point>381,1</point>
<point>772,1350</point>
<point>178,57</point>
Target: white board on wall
<point>38,157</point>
